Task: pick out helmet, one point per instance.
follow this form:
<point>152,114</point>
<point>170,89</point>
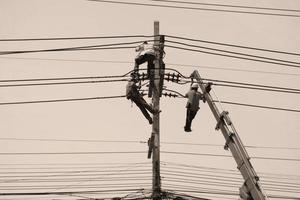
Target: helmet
<point>195,85</point>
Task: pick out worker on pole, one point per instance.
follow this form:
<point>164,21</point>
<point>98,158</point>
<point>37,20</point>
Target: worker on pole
<point>192,106</point>
<point>133,94</point>
<point>146,53</point>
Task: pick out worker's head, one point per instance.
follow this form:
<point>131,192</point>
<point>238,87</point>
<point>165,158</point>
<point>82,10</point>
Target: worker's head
<point>195,86</point>
<point>133,78</point>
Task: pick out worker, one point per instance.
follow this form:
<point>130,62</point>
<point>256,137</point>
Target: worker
<point>192,106</point>
<point>133,94</point>
<point>146,53</point>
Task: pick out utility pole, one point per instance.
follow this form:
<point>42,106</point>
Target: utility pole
<point>251,189</point>
<point>158,44</point>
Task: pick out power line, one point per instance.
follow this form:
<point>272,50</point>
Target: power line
<point>226,5</point>
<point>82,164</point>
<point>60,100</point>
<point>63,83</point>
<point>78,48</point>
<point>232,52</point>
<point>74,140</point>
<point>111,186</point>
<point>228,156</point>
<point>65,193</point>
<point>248,105</point>
<point>257,106</point>
<point>218,145</point>
<point>175,64</point>
<point>254,88</point>
<point>197,8</point>
<point>63,78</point>
<point>233,45</point>
<point>56,50</point>
<point>222,170</point>
<point>74,38</point>
<point>72,153</point>
<point>122,96</point>
<point>142,142</point>
<point>88,179</point>
<point>232,56</point>
<point>255,85</point>
<point>138,152</point>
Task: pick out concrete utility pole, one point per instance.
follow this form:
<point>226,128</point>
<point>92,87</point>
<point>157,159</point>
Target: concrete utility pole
<point>156,183</point>
<point>251,189</point>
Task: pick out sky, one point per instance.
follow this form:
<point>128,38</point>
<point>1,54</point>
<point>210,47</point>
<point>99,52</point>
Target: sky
<point>117,120</point>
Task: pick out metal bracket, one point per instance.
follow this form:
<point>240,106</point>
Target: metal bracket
<point>208,87</point>
<point>223,116</point>
<point>244,193</point>
<point>150,145</point>
<point>151,82</point>
<point>228,140</point>
<point>226,117</point>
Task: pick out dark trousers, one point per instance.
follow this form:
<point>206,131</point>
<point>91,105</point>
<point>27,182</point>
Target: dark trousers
<point>143,106</point>
<point>190,115</point>
<point>145,58</point>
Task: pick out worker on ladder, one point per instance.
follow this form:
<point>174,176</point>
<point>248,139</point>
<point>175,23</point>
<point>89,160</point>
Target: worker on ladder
<point>133,94</point>
<point>192,106</point>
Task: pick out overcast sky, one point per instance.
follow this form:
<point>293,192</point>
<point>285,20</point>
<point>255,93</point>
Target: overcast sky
<point>117,119</point>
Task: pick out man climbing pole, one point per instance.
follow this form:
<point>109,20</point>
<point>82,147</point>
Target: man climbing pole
<point>192,106</point>
<point>133,94</point>
<point>146,53</point>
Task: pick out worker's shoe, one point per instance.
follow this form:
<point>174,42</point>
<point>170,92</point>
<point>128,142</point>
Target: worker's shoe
<point>186,129</point>
<point>150,120</point>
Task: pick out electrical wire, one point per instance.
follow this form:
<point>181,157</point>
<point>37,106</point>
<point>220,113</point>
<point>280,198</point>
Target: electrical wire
<point>233,45</point>
<point>228,156</point>
<point>89,179</point>
<point>232,52</point>
<point>52,50</point>
<point>248,105</point>
<point>77,174</point>
<point>167,63</point>
<point>60,100</point>
<point>143,142</point>
<point>231,56</point>
<point>65,193</point>
<point>72,153</point>
<point>63,83</point>
<point>251,84</point>
<point>196,8</point>
<point>78,48</point>
<point>138,152</point>
<point>99,186</point>
<point>253,88</point>
<point>257,106</point>
<point>233,69</point>
<point>75,38</point>
<point>63,78</point>
<point>75,140</point>
<point>226,5</point>
<point>213,169</point>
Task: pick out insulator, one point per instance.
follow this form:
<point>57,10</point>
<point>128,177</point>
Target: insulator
<point>168,76</point>
<point>177,78</point>
<point>173,77</point>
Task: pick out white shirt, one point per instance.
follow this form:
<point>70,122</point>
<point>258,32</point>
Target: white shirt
<point>145,49</point>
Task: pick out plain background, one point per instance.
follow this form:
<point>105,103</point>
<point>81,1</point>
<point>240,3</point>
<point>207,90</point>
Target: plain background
<point>116,119</point>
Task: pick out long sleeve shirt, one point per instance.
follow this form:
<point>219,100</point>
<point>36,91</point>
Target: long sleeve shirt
<point>131,90</point>
<point>193,100</point>
<point>145,49</point>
